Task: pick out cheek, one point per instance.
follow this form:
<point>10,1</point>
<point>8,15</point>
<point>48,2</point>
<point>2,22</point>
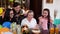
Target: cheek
<point>17,9</point>
<point>31,16</point>
<point>46,14</point>
<point>13,14</point>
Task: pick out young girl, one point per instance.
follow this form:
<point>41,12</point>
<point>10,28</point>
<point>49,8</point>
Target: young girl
<point>9,16</point>
<point>44,21</point>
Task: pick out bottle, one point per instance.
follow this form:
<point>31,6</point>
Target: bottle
<point>13,27</point>
<point>18,29</point>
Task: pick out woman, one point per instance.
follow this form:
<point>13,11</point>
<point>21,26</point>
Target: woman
<point>30,21</point>
<point>44,21</point>
<point>9,16</point>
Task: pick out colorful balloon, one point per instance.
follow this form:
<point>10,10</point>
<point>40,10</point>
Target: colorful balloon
<point>0,26</point>
<point>6,24</point>
<point>11,0</point>
<point>1,11</point>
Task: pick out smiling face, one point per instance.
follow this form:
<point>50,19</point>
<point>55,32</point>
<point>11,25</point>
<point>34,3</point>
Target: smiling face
<point>11,14</point>
<point>17,8</point>
<point>45,13</point>
<point>30,15</point>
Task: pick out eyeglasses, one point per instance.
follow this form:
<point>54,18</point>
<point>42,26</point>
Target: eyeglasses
<point>11,13</point>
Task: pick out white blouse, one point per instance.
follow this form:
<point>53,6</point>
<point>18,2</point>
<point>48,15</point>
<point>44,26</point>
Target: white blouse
<point>30,24</point>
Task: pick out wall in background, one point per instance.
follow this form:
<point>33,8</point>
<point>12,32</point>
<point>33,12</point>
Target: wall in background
<point>57,8</point>
<point>52,6</point>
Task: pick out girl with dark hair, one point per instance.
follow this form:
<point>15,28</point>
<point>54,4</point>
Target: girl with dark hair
<point>9,16</point>
<point>45,20</point>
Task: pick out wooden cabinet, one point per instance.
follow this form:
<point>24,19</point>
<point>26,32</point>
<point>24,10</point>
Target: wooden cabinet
<point>36,6</point>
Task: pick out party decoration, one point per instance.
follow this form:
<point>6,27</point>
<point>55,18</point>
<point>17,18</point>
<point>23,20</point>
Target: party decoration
<point>11,0</point>
<point>1,11</point>
<point>56,21</point>
<point>0,26</point>
<point>6,24</point>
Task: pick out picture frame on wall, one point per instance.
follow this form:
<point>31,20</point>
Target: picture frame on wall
<point>49,1</point>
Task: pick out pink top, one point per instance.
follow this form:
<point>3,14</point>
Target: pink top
<point>43,23</point>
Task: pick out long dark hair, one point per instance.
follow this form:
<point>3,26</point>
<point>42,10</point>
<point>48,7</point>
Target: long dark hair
<point>48,17</point>
<point>7,14</point>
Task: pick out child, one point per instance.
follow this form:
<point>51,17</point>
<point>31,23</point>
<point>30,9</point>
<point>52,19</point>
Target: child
<point>45,21</point>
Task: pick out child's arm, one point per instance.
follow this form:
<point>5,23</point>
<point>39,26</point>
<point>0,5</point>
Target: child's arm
<point>51,21</point>
<point>40,20</point>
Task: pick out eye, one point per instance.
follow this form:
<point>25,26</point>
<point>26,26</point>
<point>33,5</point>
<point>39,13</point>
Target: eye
<point>45,13</point>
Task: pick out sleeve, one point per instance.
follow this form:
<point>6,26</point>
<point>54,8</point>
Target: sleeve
<point>35,22</point>
<point>22,23</point>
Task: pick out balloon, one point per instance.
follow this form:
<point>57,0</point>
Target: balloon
<point>11,0</point>
<point>6,24</point>
<point>56,21</point>
<point>4,30</point>
<point>1,11</point>
<point>0,26</point>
